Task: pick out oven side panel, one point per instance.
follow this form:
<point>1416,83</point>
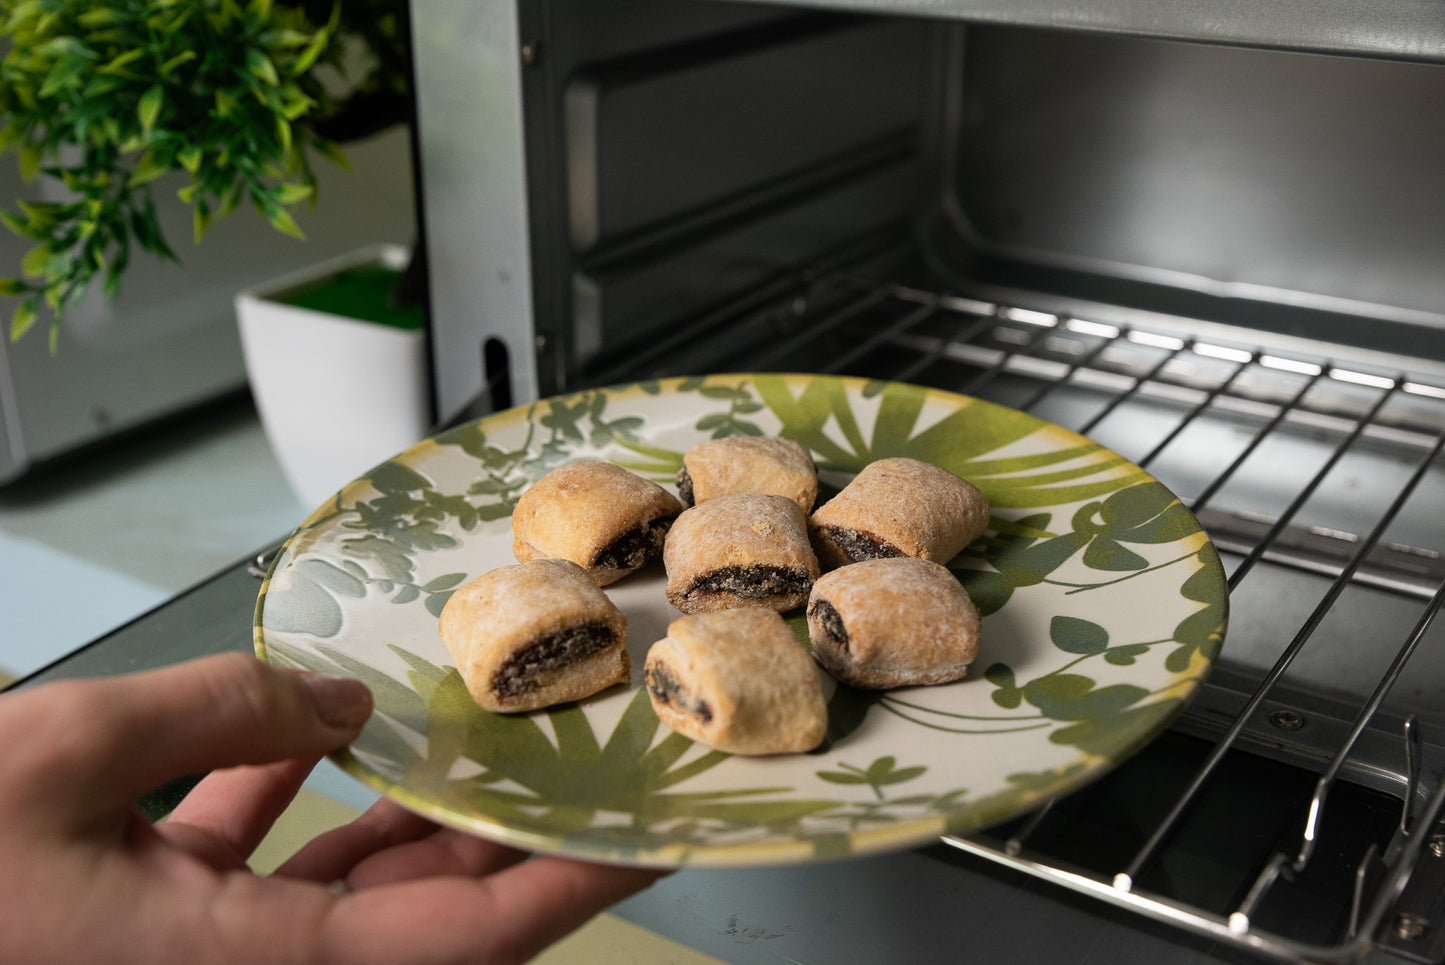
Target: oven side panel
<point>596,176</point>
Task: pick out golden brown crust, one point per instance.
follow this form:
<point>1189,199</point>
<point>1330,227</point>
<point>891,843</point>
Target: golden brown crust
<point>899,507</point>
<point>742,549</point>
<point>581,510</point>
<point>894,623</point>
<point>520,636</point>
<point>751,464</point>
<point>738,681</point>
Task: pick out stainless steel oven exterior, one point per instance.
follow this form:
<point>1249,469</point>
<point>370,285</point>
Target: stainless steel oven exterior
<point>1210,236</point>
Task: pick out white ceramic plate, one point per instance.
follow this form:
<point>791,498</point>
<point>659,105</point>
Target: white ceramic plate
<point>1104,607</point>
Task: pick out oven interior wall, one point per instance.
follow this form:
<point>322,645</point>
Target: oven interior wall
<point>1287,191</point>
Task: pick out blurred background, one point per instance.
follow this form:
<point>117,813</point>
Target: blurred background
<point>132,461</point>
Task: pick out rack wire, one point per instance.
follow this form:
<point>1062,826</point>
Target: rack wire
<point>1170,402</point>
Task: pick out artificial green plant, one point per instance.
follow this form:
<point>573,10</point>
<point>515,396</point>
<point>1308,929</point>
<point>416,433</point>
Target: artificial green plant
<point>106,96</point>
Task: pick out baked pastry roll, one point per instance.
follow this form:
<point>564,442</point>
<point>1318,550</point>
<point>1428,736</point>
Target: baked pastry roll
<point>738,681</point>
<point>742,549</point>
<point>533,635</point>
<point>748,464</point>
<point>899,507</point>
<point>605,519</point>
<point>892,622</point>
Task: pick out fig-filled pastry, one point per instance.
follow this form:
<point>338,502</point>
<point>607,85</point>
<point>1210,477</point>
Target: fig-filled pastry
<point>739,681</point>
<point>533,635</point>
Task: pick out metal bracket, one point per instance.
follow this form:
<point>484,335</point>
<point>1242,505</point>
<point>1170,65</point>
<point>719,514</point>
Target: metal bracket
<point>1416,929</point>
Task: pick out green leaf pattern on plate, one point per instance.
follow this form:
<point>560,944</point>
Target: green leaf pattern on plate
<point>1104,606</point>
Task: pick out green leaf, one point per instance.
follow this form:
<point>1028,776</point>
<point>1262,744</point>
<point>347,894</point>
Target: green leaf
<point>292,193</point>
<point>1104,553</point>
<point>190,158</point>
<point>1009,698</point>
<point>885,770</point>
<point>631,741</point>
<point>65,74</point>
<point>1063,696</point>
<point>395,478</point>
<point>445,582</point>
<point>333,577</point>
<point>881,768</point>
<point>313,50</point>
<point>988,590</point>
<point>1202,631</point>
<point>226,105</point>
<point>1006,693</point>
<point>31,158</point>
<point>282,221</point>
<point>1124,656</point>
<point>35,262</point>
<point>841,777</point>
<point>898,413</point>
<point>17,226</point>
<point>260,66</point>
<point>118,64</point>
<point>184,57</point>
<point>303,606</point>
<point>420,666</point>
<point>147,169</point>
<point>1000,675</point>
<point>1075,635</point>
<point>436,602</point>
<point>149,107</point>
<point>394,559</point>
<point>1027,563</point>
<point>23,319</point>
<point>97,17</point>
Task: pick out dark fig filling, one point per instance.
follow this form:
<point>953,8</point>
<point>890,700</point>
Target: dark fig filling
<point>637,546</point>
<point>857,545</point>
<point>824,613</point>
<point>753,582</point>
<point>524,670</point>
<point>684,486</point>
<point>664,686</point>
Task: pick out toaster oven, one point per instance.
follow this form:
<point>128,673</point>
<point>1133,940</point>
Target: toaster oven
<point>1210,236</point>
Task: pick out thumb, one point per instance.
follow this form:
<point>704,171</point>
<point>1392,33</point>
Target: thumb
<point>110,741</point>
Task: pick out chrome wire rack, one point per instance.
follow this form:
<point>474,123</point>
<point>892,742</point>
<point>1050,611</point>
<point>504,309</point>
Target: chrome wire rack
<point>1317,471</point>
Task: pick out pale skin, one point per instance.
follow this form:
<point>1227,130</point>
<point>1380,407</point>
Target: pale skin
<point>84,877</point>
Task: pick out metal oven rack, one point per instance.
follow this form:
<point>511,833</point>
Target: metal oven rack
<point>1318,474</point>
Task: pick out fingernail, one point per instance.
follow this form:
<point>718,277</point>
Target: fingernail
<point>340,701</point>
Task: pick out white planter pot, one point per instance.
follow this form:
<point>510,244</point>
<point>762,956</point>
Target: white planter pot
<point>336,395</point>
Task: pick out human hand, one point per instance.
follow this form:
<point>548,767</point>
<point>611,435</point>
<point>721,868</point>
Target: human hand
<point>85,878</point>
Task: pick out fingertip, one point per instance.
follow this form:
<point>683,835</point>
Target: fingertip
<point>341,702</point>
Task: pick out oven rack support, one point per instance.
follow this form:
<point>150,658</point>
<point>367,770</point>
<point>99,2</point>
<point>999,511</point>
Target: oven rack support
<point>1050,353</point>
